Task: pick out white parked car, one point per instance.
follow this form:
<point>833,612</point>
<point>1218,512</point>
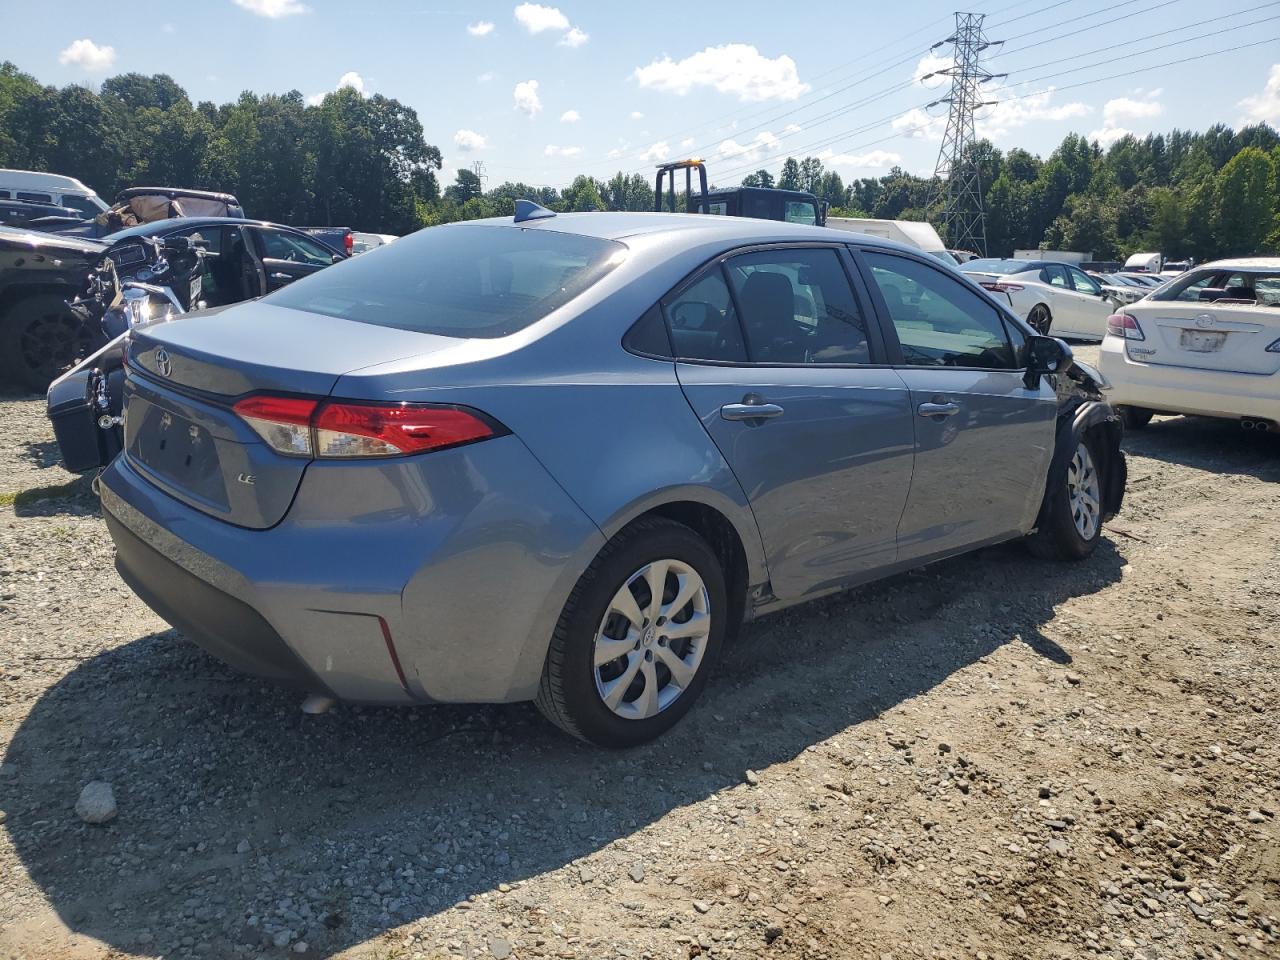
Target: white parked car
<point>1208,343</point>
<point>51,188</point>
<point>1051,296</point>
<point>364,242</point>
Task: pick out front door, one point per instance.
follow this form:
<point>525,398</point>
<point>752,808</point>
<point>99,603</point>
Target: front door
<point>774,353</point>
<point>288,256</point>
<point>983,438</point>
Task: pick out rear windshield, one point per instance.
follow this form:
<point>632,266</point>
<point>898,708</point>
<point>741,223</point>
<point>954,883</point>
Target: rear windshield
<point>458,281</point>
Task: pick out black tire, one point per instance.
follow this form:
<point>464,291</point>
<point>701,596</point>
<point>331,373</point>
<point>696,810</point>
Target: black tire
<point>1135,418</point>
<point>39,339</point>
<point>1040,319</point>
<point>568,696</point>
<point>1058,537</point>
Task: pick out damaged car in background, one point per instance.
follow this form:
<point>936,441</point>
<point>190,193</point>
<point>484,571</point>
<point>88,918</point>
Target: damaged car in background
<point>152,274</point>
<point>41,337</point>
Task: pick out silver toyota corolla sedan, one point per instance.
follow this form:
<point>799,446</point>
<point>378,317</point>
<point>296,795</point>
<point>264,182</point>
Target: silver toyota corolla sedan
<point>562,458</point>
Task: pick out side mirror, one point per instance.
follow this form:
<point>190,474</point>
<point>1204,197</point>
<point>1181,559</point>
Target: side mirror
<point>177,245</point>
<point>1046,355</point>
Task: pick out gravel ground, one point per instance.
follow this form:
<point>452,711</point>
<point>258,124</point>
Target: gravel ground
<point>992,757</point>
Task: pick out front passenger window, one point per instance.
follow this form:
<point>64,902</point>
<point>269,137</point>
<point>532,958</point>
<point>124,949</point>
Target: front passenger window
<point>938,319</point>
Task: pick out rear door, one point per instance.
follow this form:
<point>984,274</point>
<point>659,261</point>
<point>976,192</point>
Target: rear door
<point>1231,333</point>
<point>780,359</point>
<point>287,256</point>
<point>983,438</point>
<point>1068,317</point>
<point>1092,307</point>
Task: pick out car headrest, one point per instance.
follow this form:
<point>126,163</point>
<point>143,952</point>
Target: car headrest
<point>767,296</point>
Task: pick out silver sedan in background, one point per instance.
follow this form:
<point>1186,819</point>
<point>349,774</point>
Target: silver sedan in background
<point>561,458</point>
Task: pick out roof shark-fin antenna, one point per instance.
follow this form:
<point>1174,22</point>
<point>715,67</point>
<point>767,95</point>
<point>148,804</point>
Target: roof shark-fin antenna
<point>528,210</point>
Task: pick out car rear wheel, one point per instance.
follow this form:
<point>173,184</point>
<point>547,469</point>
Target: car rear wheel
<point>637,638</point>
<point>1135,418</point>
<point>1072,524</point>
<point>1040,319</point>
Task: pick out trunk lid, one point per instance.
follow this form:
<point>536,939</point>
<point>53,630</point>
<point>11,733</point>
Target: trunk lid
<point>1232,338</point>
<point>180,429</point>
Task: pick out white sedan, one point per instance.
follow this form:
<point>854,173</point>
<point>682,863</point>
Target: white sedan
<point>1208,343</point>
<point>1051,296</point>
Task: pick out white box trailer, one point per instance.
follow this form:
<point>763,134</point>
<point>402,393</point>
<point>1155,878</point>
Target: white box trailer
<point>913,233</point>
<point>1057,256</point>
<point>1145,263</point>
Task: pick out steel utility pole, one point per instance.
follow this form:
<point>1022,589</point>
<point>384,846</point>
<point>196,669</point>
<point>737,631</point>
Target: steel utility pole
<point>957,174</point>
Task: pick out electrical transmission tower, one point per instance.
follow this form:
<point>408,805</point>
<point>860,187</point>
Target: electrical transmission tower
<point>957,172</point>
<point>478,169</point>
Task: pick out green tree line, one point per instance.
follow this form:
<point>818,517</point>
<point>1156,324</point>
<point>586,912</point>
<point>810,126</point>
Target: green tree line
<point>365,162</point>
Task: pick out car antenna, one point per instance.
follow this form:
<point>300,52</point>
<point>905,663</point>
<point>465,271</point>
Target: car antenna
<point>528,210</point>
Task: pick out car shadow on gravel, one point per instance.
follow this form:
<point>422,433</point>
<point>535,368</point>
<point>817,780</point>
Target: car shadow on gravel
<point>243,823</point>
<point>1218,446</point>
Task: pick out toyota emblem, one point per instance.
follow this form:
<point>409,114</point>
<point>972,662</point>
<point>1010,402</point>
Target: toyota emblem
<point>164,366</point>
<point>1204,320</point>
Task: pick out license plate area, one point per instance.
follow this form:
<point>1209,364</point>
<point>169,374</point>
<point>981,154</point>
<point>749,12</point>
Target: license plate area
<point>178,451</point>
<point>1202,341</point>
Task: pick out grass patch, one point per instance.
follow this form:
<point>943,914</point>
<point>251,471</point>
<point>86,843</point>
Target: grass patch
<point>56,491</point>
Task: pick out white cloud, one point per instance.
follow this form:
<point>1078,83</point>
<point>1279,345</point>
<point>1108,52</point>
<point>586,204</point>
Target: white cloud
<point>686,143</point>
<point>1265,106</point>
<point>536,18</point>
<point>553,151</point>
<point>570,116</point>
<point>468,140</point>
<point>485,77</point>
<point>792,128</point>
<point>637,115</point>
<point>353,80</point>
<point>481,28</point>
<point>735,68</point>
<point>1008,115</point>
<point>750,152</point>
<point>918,125</point>
<point>1122,110</point>
<point>273,9</point>
<point>574,38</point>
<point>526,97</point>
<point>874,160</point>
<point>931,64</point>
<point>87,55</point>
<point>658,151</point>
<point>349,79</point>
<point>619,150</point>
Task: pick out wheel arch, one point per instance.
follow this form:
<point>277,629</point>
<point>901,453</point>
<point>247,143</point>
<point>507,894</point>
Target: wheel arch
<point>1099,421</point>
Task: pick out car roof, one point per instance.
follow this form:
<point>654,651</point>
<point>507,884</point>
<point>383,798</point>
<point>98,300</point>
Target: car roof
<point>1242,263</point>
<point>696,227</point>
<point>176,193</point>
<point>185,223</point>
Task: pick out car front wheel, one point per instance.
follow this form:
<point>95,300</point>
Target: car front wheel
<point>637,638</point>
<point>1072,523</point>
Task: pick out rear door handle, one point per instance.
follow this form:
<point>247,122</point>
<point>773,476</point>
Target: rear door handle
<point>750,411</point>
<point>283,277</point>
<point>948,409</point>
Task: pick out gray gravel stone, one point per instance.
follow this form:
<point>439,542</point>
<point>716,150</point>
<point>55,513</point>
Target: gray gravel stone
<point>97,802</point>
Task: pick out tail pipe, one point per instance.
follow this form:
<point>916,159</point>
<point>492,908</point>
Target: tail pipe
<point>1262,426</point>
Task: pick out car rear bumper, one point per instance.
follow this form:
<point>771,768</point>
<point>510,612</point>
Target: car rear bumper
<point>1172,389</point>
<point>436,578</point>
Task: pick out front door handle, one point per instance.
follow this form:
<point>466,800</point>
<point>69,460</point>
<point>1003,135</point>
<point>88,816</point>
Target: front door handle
<point>283,277</point>
<point>750,411</point>
<point>948,409</point>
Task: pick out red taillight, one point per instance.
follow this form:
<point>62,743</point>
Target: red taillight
<point>1124,326</point>
<point>388,430</point>
<point>349,241</point>
<point>1002,287</point>
<point>305,427</point>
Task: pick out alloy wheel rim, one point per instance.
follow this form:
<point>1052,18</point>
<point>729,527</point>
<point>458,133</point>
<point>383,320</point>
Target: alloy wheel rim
<point>1083,492</point>
<point>652,639</point>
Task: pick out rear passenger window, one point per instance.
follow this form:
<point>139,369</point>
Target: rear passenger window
<point>800,211</point>
<point>35,197</point>
<point>703,323</point>
<point>938,319</point>
<point>1055,276</point>
<point>797,307</point>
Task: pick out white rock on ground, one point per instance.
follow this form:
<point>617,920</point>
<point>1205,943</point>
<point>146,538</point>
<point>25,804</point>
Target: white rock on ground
<point>97,803</point>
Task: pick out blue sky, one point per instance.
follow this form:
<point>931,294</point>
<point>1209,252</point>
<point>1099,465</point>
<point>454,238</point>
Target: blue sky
<point>541,92</point>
